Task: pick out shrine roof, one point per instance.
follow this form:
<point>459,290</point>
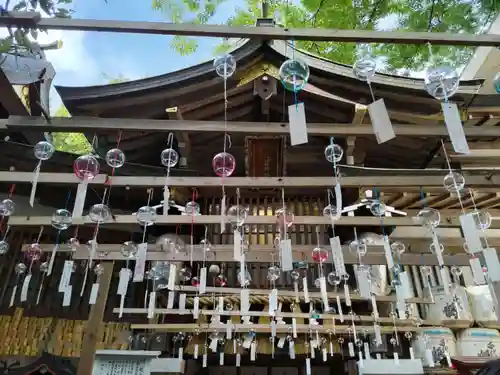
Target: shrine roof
<point>255,58</point>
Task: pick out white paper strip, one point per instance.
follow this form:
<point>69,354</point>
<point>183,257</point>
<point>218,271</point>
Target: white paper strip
<point>229,330</point>
<point>13,296</point>
<point>477,271</point>
<point>323,292</point>
<point>195,351</point>
<point>238,359</point>
<point>337,255</point>
<point>388,253</point>
<point>396,358</point>
<point>339,309</point>
<point>34,183</point>
<point>308,366</point>
<point>273,302</point>
<point>204,360</point>
<point>492,263</point>
<point>281,342</point>
<point>313,352</point>
<point>366,349</point>
<point>347,294</point>
<point>53,259</point>
<point>170,299</point>
<point>253,350</point>
<point>223,214</point>
<point>286,256</point>
<point>67,296</point>
<point>471,234</point>
<point>350,346</point>
<point>182,302</point>
<point>93,294</point>
<point>294,328</point>
<point>180,354</point>
<point>437,248</point>
<point>445,277</point>
<point>412,353</point>
<point>298,125</point>
<point>238,240</point>
<point>292,349</point>
<point>455,129</point>
<point>381,122</point>
<point>123,281</point>
<point>171,277</point>
<point>152,305</point>
<point>305,290</point>
<point>140,262</point>
<point>325,354</point>
<point>196,307</point>
<point>221,359</point>
<point>166,199</point>
<point>65,275</point>
<point>244,301</point>
<point>378,335</point>
<point>338,200</point>
<point>203,280</point>
<point>25,287</point>
<point>81,193</point>
<point>374,307</point>
<point>331,349</point>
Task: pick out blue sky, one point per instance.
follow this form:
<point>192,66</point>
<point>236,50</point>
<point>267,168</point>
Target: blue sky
<point>90,58</point>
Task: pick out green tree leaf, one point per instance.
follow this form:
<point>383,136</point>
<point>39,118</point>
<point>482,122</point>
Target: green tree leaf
<point>471,16</point>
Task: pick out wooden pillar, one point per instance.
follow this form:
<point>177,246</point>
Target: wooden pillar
<point>89,344</point>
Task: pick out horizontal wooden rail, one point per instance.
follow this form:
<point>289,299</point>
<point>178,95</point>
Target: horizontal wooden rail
<point>417,179</point>
<point>33,19</point>
<point>418,256</point>
<point>216,219</point>
<point>91,124</point>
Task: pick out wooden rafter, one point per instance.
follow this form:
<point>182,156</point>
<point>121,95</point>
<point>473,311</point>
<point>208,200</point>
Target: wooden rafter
<point>33,19</point>
<point>82,124</point>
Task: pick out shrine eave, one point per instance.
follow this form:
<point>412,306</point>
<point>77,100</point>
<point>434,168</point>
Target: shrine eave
<point>199,81</point>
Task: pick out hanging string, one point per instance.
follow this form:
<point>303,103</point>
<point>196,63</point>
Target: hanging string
<point>194,196</point>
<point>109,181</point>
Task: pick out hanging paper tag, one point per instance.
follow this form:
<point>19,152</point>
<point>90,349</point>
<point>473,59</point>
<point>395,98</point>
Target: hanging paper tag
<point>152,305</point>
<point>238,240</point>
<point>331,349</point>
<point>445,276</point>
<point>298,125</point>
<point>195,351</point>
<point>238,359</point>
<point>13,296</point>
<point>381,122</point>
<point>366,349</point>
<point>171,277</point>
<point>34,182</point>
<point>396,358</point>
<point>403,290</point>
<point>182,302</point>
<point>374,307</point>
<point>323,292</point>
<point>305,289</point>
<point>66,275</point>
<point>477,271</point>
<point>213,344</point>
<point>221,359</point>
<point>455,129</point>
<point>325,354</point>
<point>229,330</point>
<point>170,300</point>
<point>203,280</point>
<point>124,278</point>
<point>25,287</point>
<point>140,262</point>
<point>93,293</point>
<point>388,253</point>
<point>196,307</point>
<point>294,328</point>
<point>180,354</point>
<point>296,291</point>
<point>308,366</point>
<point>492,263</point>
<point>81,193</point>
<point>339,309</point>
<point>448,359</point>
<point>253,350</point>
<point>204,360</point>
<point>313,353</point>
<point>350,346</point>
<point>281,342</point>
<point>364,285</point>
<point>247,342</point>
<point>286,256</point>
<point>471,234</point>
<point>347,294</point>
<point>337,255</point>
<point>412,353</point>
<point>273,302</point>
<point>292,349</point>
<point>244,301</point>
<point>67,296</point>
<point>223,214</point>
<point>437,248</point>
<point>378,336</point>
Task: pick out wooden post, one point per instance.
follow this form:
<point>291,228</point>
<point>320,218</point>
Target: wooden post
<point>89,345</point>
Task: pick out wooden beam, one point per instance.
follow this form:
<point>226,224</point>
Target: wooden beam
<point>416,180</point>
<point>92,124</point>
<point>91,336</point>
<point>255,220</point>
<point>415,256</point>
<point>34,20</point>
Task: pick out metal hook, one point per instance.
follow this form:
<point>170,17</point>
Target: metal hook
<point>227,140</point>
<point>170,140</point>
